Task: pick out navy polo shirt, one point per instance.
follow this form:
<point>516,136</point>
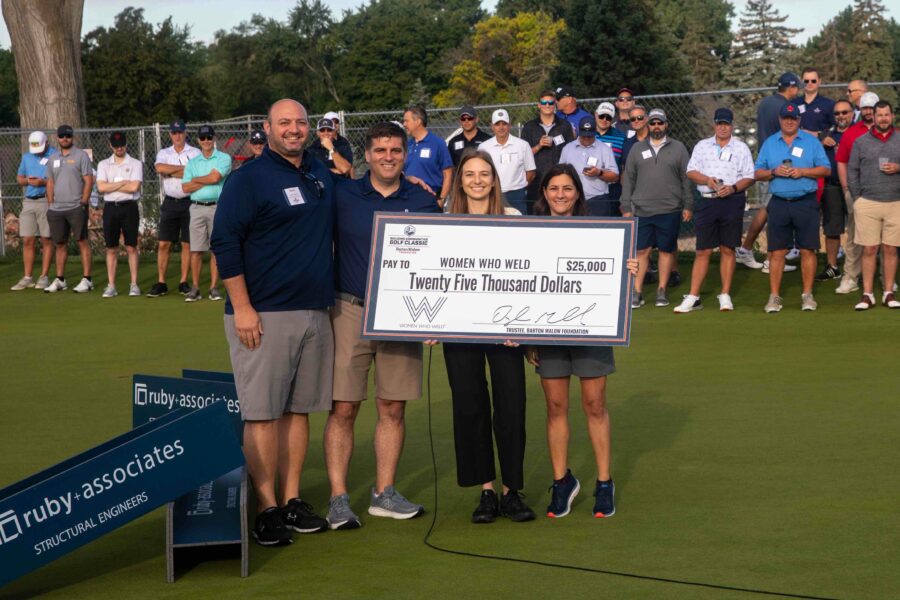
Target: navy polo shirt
<point>273,225</point>
<point>427,160</point>
<point>767,123</point>
<point>459,144</point>
<point>805,152</point>
<point>355,203</point>
<point>575,118</point>
<point>817,115</point>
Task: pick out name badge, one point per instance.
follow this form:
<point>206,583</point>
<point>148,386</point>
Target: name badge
<point>631,133</point>
<point>44,161</point>
<point>56,164</point>
<point>294,196</point>
<point>506,158</point>
<point>802,108</point>
<point>459,145</point>
<point>592,161</point>
<point>725,155</point>
<point>647,154</point>
<point>797,151</point>
<point>425,153</point>
<point>559,139</point>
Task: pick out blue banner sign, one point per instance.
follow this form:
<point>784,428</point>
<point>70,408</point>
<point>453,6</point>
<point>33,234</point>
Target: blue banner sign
<point>155,396</point>
<point>207,375</point>
<point>75,502</point>
<point>210,514</point>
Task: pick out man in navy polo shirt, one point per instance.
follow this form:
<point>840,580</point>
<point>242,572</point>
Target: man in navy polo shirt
<point>428,159</point>
<point>547,134</point>
<point>398,365</point>
<point>791,161</point>
<point>273,240</point>
<point>569,108</point>
<point>816,111</point>
<point>469,136</point>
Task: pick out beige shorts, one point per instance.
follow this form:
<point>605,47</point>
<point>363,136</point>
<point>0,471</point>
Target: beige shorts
<point>876,222</point>
<point>398,365</point>
<point>33,219</point>
<point>201,226</point>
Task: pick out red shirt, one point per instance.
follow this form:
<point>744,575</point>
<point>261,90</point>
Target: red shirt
<point>883,136</point>
<point>846,144</point>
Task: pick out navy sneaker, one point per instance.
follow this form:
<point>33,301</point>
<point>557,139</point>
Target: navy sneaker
<point>299,516</point>
<point>605,503</point>
<point>270,530</point>
<point>564,492</point>
<point>513,508</point>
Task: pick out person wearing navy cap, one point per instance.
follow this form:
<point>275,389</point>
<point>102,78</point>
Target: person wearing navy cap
<point>331,149</point>
<point>624,103</point>
<point>568,107</point>
<point>596,166</point>
<point>467,136</point>
<point>257,143</point>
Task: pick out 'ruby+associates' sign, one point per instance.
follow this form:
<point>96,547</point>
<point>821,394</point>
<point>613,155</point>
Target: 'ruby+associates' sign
<point>75,502</point>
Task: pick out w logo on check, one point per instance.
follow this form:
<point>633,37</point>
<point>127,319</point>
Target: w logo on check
<point>423,306</point>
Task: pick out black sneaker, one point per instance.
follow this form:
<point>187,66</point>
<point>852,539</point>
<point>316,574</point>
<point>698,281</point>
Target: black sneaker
<point>674,279</point>
<point>299,516</point>
<point>564,492</point>
<point>270,530</point>
<point>184,288</point>
<point>159,289</point>
<point>488,508</point>
<point>605,504</point>
<point>513,508</point>
<point>830,272</point>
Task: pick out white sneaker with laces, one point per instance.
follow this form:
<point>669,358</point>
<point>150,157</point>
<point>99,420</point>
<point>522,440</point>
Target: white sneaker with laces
<point>746,258</point>
<point>134,290</point>
<point>109,292</point>
<point>846,286</point>
<point>725,303</point>
<point>24,283</point>
<point>689,304</point>
<point>58,285</point>
<point>85,285</point>
<point>787,268</point>
<point>807,302</point>
<point>793,254</point>
<point>42,282</point>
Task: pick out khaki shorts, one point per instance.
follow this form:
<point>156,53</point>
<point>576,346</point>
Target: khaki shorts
<point>398,365</point>
<point>291,370</point>
<point>201,226</point>
<point>876,222</point>
<point>33,219</point>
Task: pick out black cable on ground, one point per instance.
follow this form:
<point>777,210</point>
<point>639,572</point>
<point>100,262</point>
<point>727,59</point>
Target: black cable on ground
<point>540,563</point>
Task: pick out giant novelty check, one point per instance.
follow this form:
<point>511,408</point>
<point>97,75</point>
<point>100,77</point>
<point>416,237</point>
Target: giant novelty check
<point>470,278</point>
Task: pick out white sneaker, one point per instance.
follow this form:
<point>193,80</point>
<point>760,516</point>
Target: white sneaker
<point>725,302</point>
<point>807,302</point>
<point>134,290</point>
<point>689,304</point>
<point>85,285</point>
<point>793,254</point>
<point>42,282</point>
<point>840,253</point>
<point>787,268</point>
<point>24,283</point>
<point>58,285</point>
<point>109,292</point>
<point>774,304</point>
<point>846,286</point>
<point>746,258</point>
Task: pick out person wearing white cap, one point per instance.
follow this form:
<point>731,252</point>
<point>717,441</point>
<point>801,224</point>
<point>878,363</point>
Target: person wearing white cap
<point>31,177</point>
<point>605,116</point>
<point>514,161</point>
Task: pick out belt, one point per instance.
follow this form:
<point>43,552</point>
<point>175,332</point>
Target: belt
<point>118,201</point>
<point>349,298</point>
<point>184,199</point>
<point>203,203</point>
<point>797,199</point>
<point>714,195</point>
<point>35,197</point>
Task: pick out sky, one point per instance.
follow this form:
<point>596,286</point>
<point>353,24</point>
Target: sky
<point>208,16</point>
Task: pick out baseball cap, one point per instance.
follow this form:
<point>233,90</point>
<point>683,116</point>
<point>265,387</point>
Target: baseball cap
<point>325,123</point>
<point>117,139</point>
<point>868,100</point>
<point>258,137</point>
<point>788,79</point>
<point>177,125</point>
<point>606,108</point>
<point>625,90</point>
<point>37,142</point>
<point>67,130</point>
<point>467,111</point>
<point>586,126</point>
<point>657,113</point>
<point>789,111</point>
<point>206,130</point>
<point>500,115</point>
<point>723,114</point>
<point>332,115</point>
<point>563,91</point>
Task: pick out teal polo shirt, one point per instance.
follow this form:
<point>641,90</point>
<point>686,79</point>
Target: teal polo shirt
<point>200,166</point>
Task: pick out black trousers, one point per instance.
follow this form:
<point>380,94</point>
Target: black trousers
<point>472,419</point>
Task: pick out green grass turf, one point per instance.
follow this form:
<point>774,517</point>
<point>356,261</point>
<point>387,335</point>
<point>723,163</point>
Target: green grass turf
<point>750,450</point>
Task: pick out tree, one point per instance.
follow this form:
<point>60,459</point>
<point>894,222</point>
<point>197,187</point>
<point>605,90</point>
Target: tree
<point>761,45</point>
<point>703,28</point>
<point>135,72</point>
<point>45,38</point>
<point>870,50</point>
<point>827,50</point>
<point>894,29</point>
<point>9,90</point>
<point>510,8</point>
<point>382,48</point>
<point>608,43</point>
<point>510,59</point>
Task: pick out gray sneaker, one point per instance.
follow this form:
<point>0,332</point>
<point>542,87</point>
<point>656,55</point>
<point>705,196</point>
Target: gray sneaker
<point>42,282</point>
<point>193,295</point>
<point>774,304</point>
<point>109,292</point>
<point>391,503</point>
<point>807,302</point>
<point>214,294</point>
<point>25,282</point>
<point>134,290</point>
<point>339,514</point>
<point>661,299</point>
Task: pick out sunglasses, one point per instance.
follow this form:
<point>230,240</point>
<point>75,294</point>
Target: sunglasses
<point>204,137</point>
<point>841,113</point>
<point>65,136</point>
<point>656,123</point>
<point>625,98</point>
<point>640,118</point>
<point>810,81</point>
<point>547,102</point>
<point>604,117</point>
<point>257,143</point>
<point>467,118</point>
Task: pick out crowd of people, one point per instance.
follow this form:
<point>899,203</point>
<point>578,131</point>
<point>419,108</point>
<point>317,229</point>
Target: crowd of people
<point>289,237</point>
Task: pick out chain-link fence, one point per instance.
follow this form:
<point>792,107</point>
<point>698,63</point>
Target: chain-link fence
<point>690,119</point>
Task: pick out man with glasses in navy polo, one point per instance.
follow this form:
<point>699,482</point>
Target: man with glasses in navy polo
<point>624,103</point>
<point>816,110</point>
<point>546,134</point>
<point>469,136</point>
<point>791,161</point>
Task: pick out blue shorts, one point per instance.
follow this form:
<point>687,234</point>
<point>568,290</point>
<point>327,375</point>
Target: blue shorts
<point>659,231</point>
<point>602,206</point>
<point>793,219</point>
<point>719,221</point>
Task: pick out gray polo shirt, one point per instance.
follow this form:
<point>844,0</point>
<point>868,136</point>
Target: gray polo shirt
<point>67,173</point>
<point>597,154</point>
<point>864,176</point>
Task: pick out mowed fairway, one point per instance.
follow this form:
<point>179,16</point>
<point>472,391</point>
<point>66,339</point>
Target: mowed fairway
<point>751,451</point>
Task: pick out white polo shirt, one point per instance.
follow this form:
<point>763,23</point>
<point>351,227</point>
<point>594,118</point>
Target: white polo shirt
<point>512,159</point>
<point>168,156</point>
<point>130,169</point>
<point>730,163</point>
